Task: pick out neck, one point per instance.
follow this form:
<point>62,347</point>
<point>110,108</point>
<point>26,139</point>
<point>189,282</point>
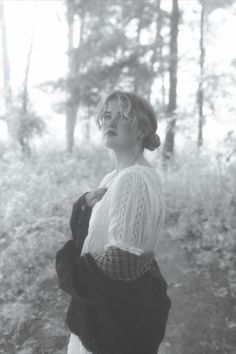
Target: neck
<point>124,159</point>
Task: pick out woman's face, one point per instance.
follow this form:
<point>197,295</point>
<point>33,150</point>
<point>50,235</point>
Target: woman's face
<point>117,131</point>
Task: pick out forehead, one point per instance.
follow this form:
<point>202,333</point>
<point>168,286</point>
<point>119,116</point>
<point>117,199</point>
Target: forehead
<point>116,104</point>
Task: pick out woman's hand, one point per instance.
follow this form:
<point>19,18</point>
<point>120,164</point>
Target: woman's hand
<point>95,196</point>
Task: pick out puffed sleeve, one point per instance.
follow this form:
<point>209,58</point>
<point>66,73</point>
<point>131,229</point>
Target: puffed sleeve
<point>129,198</point>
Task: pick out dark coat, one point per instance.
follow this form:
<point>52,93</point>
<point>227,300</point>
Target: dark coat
<point>110,316</point>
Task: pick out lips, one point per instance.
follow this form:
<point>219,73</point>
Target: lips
<point>110,132</point>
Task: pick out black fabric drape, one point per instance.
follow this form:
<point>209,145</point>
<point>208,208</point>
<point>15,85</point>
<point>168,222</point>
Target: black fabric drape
<point>110,316</point>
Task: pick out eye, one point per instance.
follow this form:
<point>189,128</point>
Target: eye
<point>125,117</point>
<point>122,116</point>
<point>106,116</point>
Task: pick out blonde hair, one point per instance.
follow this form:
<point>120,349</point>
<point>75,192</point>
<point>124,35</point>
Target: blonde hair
<point>136,107</point>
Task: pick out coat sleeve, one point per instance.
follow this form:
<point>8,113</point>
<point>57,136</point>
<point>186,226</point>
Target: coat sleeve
<point>75,274</point>
<point>79,222</point>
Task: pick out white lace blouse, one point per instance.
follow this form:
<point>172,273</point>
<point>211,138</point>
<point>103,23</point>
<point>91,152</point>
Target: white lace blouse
<point>130,215</point>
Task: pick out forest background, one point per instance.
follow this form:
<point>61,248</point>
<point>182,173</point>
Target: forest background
<point>57,59</point>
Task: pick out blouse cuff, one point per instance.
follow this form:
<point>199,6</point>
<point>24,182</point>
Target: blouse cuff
<point>124,247</point>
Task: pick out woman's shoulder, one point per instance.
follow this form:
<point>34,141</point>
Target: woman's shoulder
<point>136,175</point>
<point>107,178</point>
<point>140,178</point>
<point>139,172</point>
<point>132,176</point>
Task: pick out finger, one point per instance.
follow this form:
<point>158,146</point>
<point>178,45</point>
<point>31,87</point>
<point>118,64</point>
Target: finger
<point>95,196</point>
<point>102,191</point>
<point>93,200</point>
<point>100,195</point>
<point>91,196</point>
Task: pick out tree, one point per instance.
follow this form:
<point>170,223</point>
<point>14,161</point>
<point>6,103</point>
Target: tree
<point>207,7</point>
<point>72,102</point>
<point>87,72</point>
<point>168,148</point>
<point>25,97</point>
<point>110,53</point>
<point>6,71</point>
<point>201,79</point>
<point>157,51</point>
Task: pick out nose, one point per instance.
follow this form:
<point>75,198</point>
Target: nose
<point>113,121</point>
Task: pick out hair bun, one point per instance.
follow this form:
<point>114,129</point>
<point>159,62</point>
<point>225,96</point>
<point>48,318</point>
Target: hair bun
<point>152,142</point>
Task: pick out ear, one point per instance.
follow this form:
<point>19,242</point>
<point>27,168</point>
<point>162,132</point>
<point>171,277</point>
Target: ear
<point>142,133</point>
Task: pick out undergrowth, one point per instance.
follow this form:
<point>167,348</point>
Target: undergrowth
<point>200,193</point>
<point>36,200</point>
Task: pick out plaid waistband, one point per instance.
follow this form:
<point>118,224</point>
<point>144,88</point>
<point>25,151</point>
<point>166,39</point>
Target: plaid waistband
<point>118,264</point>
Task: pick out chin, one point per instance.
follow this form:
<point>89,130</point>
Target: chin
<point>110,143</point>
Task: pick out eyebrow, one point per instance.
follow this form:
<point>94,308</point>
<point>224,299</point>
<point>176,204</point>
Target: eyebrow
<point>109,112</point>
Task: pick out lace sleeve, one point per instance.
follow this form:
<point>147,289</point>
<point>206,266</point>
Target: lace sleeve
<point>129,199</point>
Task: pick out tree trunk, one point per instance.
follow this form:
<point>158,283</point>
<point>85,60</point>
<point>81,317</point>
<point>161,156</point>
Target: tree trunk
<point>71,115</point>
<point>6,73</point>
<point>136,77</point>
<point>71,104</point>
<point>27,70</point>
<point>200,88</point>
<point>161,59</point>
<point>160,41</point>
<point>162,67</point>
<point>168,148</point>
<point>156,45</point>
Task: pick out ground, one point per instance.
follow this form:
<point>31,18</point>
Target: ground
<point>202,318</point>
<point>201,321</point>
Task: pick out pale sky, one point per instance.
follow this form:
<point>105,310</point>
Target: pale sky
<point>49,59</point>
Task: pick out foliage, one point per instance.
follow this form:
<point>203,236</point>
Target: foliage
<point>25,127</point>
<point>36,199</point>
<point>201,207</point>
<point>28,126</point>
<point>210,5</point>
<point>110,53</point>
<point>37,195</point>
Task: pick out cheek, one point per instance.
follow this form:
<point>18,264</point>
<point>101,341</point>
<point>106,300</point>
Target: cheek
<point>126,131</point>
<point>129,136</point>
<point>133,130</point>
<point>103,129</point>
<point>135,126</point>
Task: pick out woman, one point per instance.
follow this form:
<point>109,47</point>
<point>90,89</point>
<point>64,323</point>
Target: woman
<point>119,301</point>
